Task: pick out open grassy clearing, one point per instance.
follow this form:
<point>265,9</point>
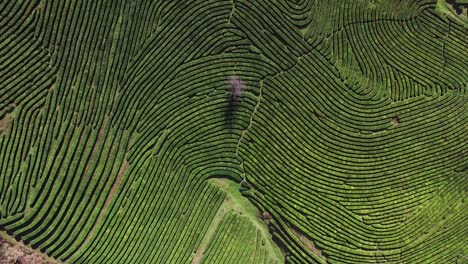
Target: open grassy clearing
<point>447,9</point>
<point>240,207</point>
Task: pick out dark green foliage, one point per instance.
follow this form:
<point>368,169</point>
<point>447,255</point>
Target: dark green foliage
<point>346,121</point>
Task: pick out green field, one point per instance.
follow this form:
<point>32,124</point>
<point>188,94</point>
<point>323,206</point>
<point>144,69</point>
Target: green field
<point>235,131</point>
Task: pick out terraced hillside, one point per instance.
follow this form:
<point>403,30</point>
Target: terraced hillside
<point>235,131</point>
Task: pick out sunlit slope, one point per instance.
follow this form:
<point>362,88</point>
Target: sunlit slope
<point>350,133</point>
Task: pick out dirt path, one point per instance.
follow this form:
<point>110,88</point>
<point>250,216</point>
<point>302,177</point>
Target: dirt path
<point>114,188</point>
<point>237,203</point>
<point>210,233</point>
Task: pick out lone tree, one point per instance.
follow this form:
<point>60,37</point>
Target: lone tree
<point>236,87</point>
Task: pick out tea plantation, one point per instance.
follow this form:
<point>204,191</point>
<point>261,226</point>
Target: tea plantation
<point>235,131</point>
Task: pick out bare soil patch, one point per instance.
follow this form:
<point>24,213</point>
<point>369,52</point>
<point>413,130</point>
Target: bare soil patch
<point>308,243</point>
<point>396,121</point>
<point>5,123</point>
<point>265,216</point>
<point>18,254</point>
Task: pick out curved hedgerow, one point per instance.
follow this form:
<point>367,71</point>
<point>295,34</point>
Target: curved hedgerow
<point>347,134</point>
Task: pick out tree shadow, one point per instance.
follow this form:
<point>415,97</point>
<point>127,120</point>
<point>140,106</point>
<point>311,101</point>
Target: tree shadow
<point>229,111</point>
